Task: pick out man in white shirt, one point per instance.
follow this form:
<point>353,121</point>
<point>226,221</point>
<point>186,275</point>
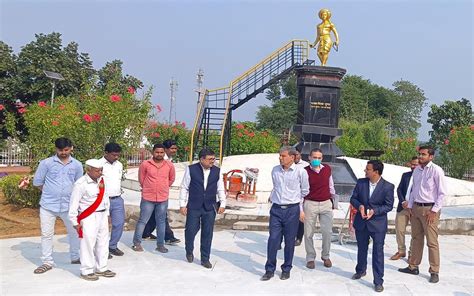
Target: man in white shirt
<point>113,172</point>
<point>197,200</point>
<point>88,212</point>
<point>290,186</point>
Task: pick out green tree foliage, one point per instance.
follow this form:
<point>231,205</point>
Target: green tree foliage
<point>246,139</point>
<point>281,115</point>
<point>457,151</point>
<point>22,80</point>
<point>363,101</point>
<point>157,132</point>
<point>444,118</point>
<point>371,135</point>
<point>90,121</point>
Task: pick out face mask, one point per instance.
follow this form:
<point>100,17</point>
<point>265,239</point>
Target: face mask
<point>315,162</point>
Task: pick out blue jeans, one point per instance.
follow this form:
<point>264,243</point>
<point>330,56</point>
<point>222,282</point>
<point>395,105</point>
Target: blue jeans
<point>196,219</point>
<point>151,225</point>
<point>117,216</point>
<point>283,222</point>
<point>146,209</point>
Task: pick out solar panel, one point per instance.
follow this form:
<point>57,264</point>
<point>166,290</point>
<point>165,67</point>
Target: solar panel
<point>53,75</point>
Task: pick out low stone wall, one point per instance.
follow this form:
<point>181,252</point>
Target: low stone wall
<point>457,226</point>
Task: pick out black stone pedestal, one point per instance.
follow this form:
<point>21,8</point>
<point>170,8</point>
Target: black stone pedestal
<point>319,91</point>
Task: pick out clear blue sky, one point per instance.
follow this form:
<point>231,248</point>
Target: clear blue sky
<point>429,43</point>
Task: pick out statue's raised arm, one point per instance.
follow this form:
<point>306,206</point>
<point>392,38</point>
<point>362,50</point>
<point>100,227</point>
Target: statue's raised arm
<point>323,36</point>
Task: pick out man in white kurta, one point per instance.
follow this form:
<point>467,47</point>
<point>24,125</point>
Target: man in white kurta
<point>95,241</point>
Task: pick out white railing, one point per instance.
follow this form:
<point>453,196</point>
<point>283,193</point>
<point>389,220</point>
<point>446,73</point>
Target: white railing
<point>24,157</point>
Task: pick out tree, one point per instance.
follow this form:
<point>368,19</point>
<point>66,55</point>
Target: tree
<point>23,82</point>
<point>457,151</point>
<point>410,102</point>
<point>111,75</point>
<point>281,115</point>
<point>450,115</point>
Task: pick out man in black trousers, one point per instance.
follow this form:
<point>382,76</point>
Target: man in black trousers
<point>202,182</point>
<point>373,197</point>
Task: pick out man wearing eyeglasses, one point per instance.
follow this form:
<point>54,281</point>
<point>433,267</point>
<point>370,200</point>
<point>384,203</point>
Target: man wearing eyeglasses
<point>202,181</point>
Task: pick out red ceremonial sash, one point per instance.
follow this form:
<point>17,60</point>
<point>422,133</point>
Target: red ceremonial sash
<point>92,208</point>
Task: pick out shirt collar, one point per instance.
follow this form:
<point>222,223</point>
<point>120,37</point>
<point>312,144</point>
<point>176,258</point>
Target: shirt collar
<point>375,184</point>
<point>56,158</point>
<point>292,167</point>
<point>204,168</point>
<point>89,179</point>
<point>321,166</point>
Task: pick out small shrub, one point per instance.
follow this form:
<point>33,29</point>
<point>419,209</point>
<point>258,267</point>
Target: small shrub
<point>28,197</point>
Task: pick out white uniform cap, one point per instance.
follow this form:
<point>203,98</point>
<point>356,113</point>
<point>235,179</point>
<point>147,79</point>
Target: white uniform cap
<point>95,163</point>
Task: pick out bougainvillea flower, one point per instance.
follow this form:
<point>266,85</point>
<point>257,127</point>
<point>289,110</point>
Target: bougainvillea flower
<point>174,130</point>
<point>87,118</point>
<point>55,123</point>
<point>158,108</point>
<point>41,104</point>
<point>61,107</point>
<point>239,134</point>
<point>131,90</point>
<point>22,110</point>
<point>251,135</point>
<point>155,135</point>
<point>183,124</point>
<point>115,98</point>
<point>446,142</point>
<point>239,126</point>
<point>2,107</point>
<point>96,117</point>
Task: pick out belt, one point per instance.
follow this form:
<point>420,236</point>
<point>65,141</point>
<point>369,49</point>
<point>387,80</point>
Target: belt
<point>286,206</point>
<point>114,197</point>
<point>420,204</point>
<point>99,211</point>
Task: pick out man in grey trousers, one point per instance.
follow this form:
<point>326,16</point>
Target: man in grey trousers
<point>318,205</point>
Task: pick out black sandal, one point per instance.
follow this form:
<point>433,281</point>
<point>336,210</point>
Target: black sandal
<point>42,269</point>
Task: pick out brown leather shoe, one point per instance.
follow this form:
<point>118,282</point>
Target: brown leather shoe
<point>310,264</point>
<point>327,262</point>
<point>397,256</point>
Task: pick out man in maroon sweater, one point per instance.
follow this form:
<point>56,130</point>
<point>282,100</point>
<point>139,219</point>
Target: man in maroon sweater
<point>318,204</point>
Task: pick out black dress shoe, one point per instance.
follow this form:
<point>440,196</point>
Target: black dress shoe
<point>378,288</point>
<point>268,275</point>
<point>414,271</point>
<point>110,256</point>
<point>116,252</point>
<point>206,264</point>
<point>434,278</point>
<point>190,258</point>
<point>357,276</point>
<point>284,275</point>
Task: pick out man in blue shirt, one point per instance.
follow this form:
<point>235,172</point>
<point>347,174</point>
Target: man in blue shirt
<point>290,186</point>
<point>55,178</point>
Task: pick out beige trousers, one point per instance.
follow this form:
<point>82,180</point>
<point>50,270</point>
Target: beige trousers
<point>419,229</point>
<point>401,222</point>
<point>314,210</point>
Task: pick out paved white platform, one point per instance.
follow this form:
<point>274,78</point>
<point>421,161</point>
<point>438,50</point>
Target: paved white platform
<point>460,192</point>
<point>238,259</point>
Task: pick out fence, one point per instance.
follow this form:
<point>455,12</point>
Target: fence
<point>24,157</point>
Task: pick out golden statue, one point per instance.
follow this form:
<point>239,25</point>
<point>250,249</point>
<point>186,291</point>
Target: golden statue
<point>323,38</point>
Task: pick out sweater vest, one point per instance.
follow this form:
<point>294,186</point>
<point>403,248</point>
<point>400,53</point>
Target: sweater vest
<point>319,184</point>
<point>198,197</point>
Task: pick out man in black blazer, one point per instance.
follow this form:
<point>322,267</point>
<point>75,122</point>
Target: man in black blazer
<point>373,197</point>
<point>403,216</point>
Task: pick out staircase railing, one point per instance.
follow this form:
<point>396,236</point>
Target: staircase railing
<point>245,87</point>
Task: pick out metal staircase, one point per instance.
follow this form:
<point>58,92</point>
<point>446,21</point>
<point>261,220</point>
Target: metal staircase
<point>214,116</point>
